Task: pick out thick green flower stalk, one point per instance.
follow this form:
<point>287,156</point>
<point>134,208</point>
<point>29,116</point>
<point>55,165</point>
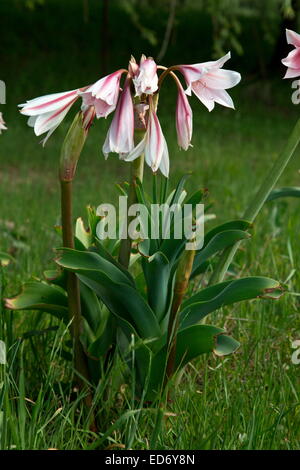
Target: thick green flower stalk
<point>183,274</point>
<point>70,153</point>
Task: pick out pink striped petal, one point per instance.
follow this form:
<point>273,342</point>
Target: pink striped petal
<point>48,103</point>
<point>107,88</point>
<point>223,98</point>
<point>101,107</point>
<point>146,79</point>
<point>184,119</point>
<point>51,120</point>
<point>292,73</point>
<point>165,162</point>
<point>119,138</point>
<point>221,79</point>
<point>293,59</point>
<point>195,72</point>
<point>293,38</point>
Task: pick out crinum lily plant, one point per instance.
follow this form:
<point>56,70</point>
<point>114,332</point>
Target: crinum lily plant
<point>150,313</point>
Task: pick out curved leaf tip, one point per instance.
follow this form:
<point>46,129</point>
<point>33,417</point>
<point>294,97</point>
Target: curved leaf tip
<point>225,345</point>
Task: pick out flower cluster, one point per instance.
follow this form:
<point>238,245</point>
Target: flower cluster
<point>135,106</point>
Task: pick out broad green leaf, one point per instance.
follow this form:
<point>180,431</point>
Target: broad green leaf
<point>191,343</point>
<point>179,189</point>
<point>157,275</point>
<point>238,224</point>
<point>90,307</point>
<point>102,344</point>
<point>284,192</point>
<point>86,260</point>
<point>41,296</point>
<point>197,197</point>
<point>56,277</point>
<point>217,243</point>
<point>113,288</point>
<point>212,298</point>
<point>104,253</point>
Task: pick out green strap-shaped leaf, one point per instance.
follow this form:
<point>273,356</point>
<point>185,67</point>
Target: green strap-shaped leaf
<point>121,298</point>
<point>91,261</point>
<point>41,296</point>
<point>238,224</point>
<point>191,343</point>
<point>217,243</point>
<point>90,307</point>
<point>104,253</point>
<point>157,274</point>
<point>284,192</point>
<point>226,293</point>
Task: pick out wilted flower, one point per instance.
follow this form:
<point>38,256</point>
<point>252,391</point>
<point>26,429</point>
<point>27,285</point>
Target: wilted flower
<point>292,61</point>
<point>209,82</point>
<point>2,124</point>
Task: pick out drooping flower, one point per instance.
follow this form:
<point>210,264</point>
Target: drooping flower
<point>2,124</point>
<point>184,119</point>
<point>209,82</point>
<point>145,77</point>
<point>104,94</point>
<point>47,112</point>
<point>292,61</point>
<point>153,145</point>
<point>119,138</point>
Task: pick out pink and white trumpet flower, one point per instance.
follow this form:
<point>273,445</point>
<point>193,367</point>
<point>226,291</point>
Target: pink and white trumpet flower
<point>2,124</point>
<point>119,138</point>
<point>47,112</point>
<point>153,145</point>
<point>145,77</point>
<point>209,82</point>
<point>292,61</point>
<point>184,119</point>
<point>104,94</point>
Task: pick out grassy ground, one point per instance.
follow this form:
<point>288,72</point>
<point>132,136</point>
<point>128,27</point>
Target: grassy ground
<point>250,400</point>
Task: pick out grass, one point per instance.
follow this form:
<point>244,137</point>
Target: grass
<point>250,400</point>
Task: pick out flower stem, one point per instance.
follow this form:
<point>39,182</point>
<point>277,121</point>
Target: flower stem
<point>72,281</point>
<point>136,172</point>
<point>259,200</point>
<point>181,284</point>
<point>70,153</point>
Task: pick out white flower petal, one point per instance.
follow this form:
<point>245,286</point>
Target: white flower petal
<point>293,38</point>
<point>48,103</point>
